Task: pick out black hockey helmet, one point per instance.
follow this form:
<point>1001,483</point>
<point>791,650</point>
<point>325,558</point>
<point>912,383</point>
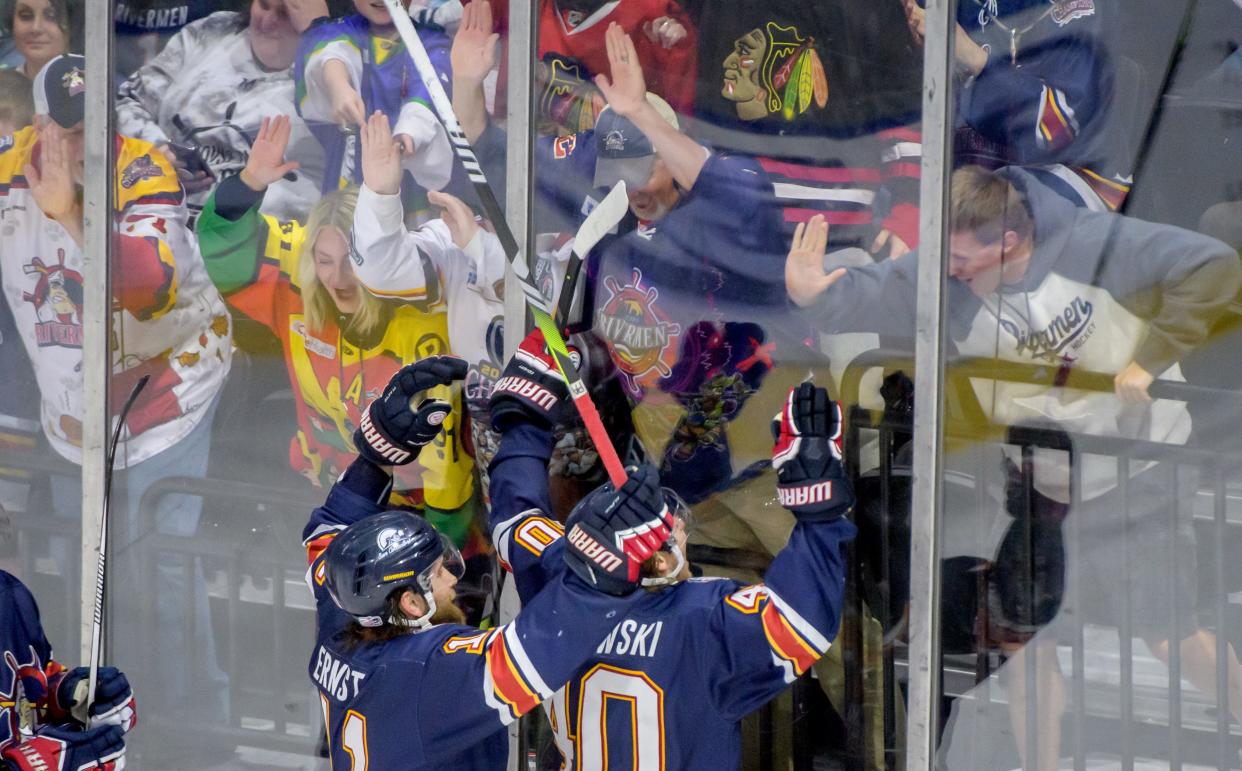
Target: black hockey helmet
<point>378,555</point>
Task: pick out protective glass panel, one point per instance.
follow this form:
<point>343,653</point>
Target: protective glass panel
<point>239,296</point>
<point>696,313</point>
<point>1093,273</point>
<point>41,401</point>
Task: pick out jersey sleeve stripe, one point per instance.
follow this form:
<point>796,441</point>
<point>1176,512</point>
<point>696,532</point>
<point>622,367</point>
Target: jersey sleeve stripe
<point>1056,120</point>
<point>502,536</point>
<point>505,680</point>
<point>516,649</point>
<point>785,642</point>
<point>804,628</point>
<point>318,546</point>
<point>406,294</point>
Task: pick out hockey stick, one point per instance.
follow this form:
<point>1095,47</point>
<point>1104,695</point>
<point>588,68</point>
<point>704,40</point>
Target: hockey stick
<point>541,308</point>
<point>602,219</point>
<point>97,624</point>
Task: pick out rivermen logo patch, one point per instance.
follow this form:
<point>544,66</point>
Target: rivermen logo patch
<point>57,298</point>
<point>643,340</point>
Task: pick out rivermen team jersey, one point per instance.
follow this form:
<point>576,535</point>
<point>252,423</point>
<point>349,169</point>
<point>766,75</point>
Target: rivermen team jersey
<point>168,320</point>
<point>441,698</point>
<point>668,685</point>
<point>254,261</point>
<point>26,664</point>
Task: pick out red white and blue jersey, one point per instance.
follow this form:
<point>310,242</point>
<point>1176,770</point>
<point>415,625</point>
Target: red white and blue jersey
<point>25,662</point>
<point>668,685</point>
<point>441,698</point>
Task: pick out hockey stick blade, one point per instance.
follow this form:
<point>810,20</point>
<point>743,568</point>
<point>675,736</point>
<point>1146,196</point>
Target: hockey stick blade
<point>602,219</point>
<point>541,308</point>
<point>101,563</point>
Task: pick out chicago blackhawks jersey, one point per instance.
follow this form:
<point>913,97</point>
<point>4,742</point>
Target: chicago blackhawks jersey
<point>26,665</point>
<point>441,698</point>
<point>677,672</point>
<point>572,52</point>
<point>825,95</point>
<point>254,260</point>
<point>206,89</point>
<point>168,320</point>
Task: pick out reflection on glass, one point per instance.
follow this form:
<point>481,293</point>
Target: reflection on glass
<point>1088,620</point>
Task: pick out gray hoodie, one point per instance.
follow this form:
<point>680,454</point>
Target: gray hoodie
<point>1101,290</point>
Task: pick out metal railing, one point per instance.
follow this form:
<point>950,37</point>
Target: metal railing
<point>967,421</point>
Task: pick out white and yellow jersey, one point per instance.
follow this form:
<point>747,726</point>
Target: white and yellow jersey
<point>168,320</point>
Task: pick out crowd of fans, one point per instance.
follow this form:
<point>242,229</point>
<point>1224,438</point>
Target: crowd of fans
<point>282,175</point>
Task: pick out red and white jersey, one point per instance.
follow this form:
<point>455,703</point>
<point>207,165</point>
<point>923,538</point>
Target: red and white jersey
<point>571,44</point>
<point>168,320</point>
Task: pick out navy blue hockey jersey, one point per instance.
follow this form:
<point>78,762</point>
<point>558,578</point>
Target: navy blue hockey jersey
<point>25,661</point>
<point>1044,96</point>
<point>441,698</point>
<point>668,685</point>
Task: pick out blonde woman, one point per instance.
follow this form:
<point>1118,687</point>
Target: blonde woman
<point>341,343</point>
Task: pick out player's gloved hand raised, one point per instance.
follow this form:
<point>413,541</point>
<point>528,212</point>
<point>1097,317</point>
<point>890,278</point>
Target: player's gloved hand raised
<point>66,748</point>
<point>114,699</point>
<point>394,428</point>
<point>531,387</point>
<point>807,457</point>
<point>613,532</point>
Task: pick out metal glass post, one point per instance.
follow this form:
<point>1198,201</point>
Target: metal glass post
<point>928,499</point>
<point>519,155</point>
<point>96,301</point>
<point>519,194</point>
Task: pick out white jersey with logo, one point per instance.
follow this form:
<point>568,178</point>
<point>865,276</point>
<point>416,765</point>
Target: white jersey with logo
<point>168,320</point>
<point>206,88</point>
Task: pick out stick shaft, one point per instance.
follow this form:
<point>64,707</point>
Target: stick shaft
<point>101,563</point>
<point>540,306</point>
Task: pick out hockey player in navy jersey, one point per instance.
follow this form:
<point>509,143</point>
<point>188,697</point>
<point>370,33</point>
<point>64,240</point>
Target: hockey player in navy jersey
<point>43,706</point>
<point>693,656</point>
<point>402,683</point>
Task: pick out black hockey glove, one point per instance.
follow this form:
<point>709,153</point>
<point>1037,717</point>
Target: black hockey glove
<point>531,386</point>
<point>807,457</point>
<point>612,533</point>
<point>114,699</point>
<point>394,428</point>
<point>68,748</point>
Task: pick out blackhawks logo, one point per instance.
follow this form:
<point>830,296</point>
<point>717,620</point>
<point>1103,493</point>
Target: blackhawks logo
<point>643,340</point>
<point>774,70</point>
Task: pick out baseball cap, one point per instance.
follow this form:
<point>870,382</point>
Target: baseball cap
<point>622,151</point>
<point>60,90</point>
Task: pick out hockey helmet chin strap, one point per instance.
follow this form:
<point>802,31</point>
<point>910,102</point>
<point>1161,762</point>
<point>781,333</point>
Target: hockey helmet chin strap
<point>671,577</point>
<point>676,506</point>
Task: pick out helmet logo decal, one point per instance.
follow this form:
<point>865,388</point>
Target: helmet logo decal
<point>392,538</point>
